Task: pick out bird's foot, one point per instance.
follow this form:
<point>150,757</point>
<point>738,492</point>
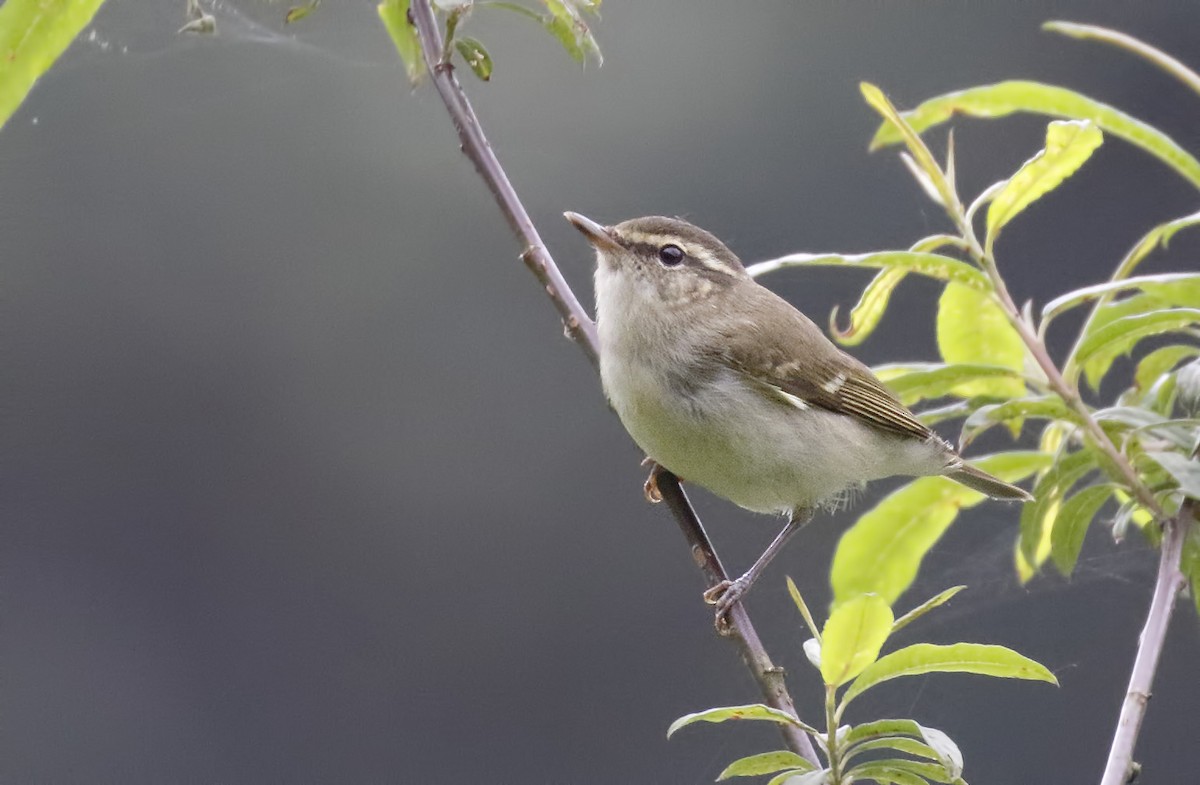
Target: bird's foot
<point>724,595</point>
<point>650,487</point>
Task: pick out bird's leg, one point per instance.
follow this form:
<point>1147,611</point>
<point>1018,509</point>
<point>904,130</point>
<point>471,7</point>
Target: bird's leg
<point>650,487</point>
<point>727,592</point>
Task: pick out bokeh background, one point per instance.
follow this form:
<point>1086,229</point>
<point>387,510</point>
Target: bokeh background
<point>304,484</point>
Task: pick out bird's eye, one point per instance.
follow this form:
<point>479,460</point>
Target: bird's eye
<point>670,255</point>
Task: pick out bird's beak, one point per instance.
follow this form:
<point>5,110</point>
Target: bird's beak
<point>599,236</point>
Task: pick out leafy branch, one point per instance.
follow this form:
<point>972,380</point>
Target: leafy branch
<point>423,31</point>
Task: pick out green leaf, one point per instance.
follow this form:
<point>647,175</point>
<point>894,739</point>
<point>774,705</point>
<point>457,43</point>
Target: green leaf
<point>899,743</point>
<point>870,308</point>
<point>1160,361</point>
<point>1005,98</point>
<point>802,606</point>
<point>806,778</point>
<point>1189,562</point>
<point>1149,283</point>
<point>881,553</point>
<point>476,57</point>
<point>33,34</point>
<point>394,14</point>
<point>765,763</point>
<point>1101,346</point>
<point>887,770</point>
<point>1071,525</point>
<point>978,658</point>
<point>853,635</point>
<point>938,381</point>
<point>753,711</point>
<point>1129,43</point>
<point>566,23</point>
<point>1184,470</point>
<point>935,601</point>
<point>1039,516</point>
<point>879,729</point>
<point>922,164</point>
<point>1069,143</point>
<point>1160,234</point>
<point>932,265</point>
<point>972,328</point>
<point>882,771</point>
<point>1045,407</point>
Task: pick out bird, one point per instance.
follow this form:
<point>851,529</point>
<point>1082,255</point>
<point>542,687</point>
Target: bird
<point>725,384</point>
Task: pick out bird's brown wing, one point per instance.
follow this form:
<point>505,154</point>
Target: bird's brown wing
<point>784,352</point>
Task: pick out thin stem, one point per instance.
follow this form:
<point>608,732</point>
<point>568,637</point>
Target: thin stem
<point>831,726</point>
<point>1166,588</point>
<point>581,329</point>
<point>1059,384</point>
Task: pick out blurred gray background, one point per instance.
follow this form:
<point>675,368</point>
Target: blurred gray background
<point>303,483</point>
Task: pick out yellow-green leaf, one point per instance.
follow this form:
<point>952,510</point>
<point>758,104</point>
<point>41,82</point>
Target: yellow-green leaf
<point>394,14</point>
<point>476,57</point>
<point>933,265</point>
<point>1069,143</point>
<point>978,658</point>
<point>765,763</point>
<point>1160,361</point>
<point>1100,346</point>
<point>870,308</point>
<point>1076,514</point>
<point>853,635</point>
<point>881,553</point>
<point>753,711</point>
<point>1131,44</point>
<point>1005,98</point>
<point>971,328</point>
<point>937,381</point>
<point>939,599</point>
<point>33,33</point>
<point>298,12</point>
<point>1038,518</point>
<point>922,164</point>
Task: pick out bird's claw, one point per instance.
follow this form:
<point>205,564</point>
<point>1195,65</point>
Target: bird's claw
<point>724,596</point>
<point>650,487</point>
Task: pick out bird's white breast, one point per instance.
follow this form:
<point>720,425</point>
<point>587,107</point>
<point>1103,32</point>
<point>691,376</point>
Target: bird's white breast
<point>717,429</point>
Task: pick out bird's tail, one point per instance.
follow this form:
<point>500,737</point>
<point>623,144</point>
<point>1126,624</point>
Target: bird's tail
<point>979,480</point>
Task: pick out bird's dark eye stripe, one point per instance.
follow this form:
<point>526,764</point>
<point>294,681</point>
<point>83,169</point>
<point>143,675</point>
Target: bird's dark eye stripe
<point>670,254</point>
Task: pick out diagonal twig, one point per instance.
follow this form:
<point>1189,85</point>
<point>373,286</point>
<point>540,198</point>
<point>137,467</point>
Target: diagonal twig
<point>580,328</point>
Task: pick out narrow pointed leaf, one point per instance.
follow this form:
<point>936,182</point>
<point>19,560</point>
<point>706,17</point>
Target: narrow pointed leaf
<point>33,34</point>
<point>880,729</point>
<point>1160,361</point>
<point>1071,525</point>
<point>1045,407</point>
<point>881,553</point>
<point>394,14</point>
<point>1100,347</point>
<point>865,315</point>
<point>1149,283</point>
<point>977,658</point>
<point>298,12</point>
<point>1005,98</point>
<point>765,763</point>
<point>879,771</point>
<point>934,181</point>
<point>853,635</point>
<point>802,606</point>
<point>932,265</point>
<point>972,329</point>
<point>960,379</point>
<point>753,711</point>
<point>898,743</point>
<point>935,601</point>
<point>566,23</point>
<point>1069,143</point>
<point>1039,516</point>
<point>1185,470</point>
<point>1131,44</point>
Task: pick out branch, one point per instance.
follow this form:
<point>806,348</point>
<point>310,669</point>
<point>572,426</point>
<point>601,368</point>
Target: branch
<point>579,327</point>
<point>1170,582</point>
